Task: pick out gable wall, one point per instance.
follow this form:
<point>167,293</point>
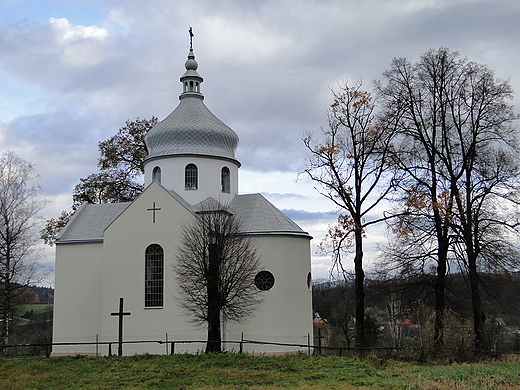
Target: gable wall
<point>123,272</point>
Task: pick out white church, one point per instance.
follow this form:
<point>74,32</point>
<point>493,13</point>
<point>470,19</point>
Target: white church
<point>127,250</point>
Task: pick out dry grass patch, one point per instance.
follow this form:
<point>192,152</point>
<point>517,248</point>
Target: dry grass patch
<point>235,371</point>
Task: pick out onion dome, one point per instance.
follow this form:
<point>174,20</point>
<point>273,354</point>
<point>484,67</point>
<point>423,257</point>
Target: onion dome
<point>191,129</point>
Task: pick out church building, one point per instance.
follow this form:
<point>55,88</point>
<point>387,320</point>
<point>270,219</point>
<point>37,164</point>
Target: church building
<point>109,251</point>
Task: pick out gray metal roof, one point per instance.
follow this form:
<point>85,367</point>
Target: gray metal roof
<point>259,216</point>
<point>256,213</point>
<point>90,222</point>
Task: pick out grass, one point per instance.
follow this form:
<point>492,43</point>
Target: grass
<point>36,308</point>
<point>236,371</point>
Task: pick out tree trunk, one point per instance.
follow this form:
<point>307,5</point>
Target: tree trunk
<point>359,289</point>
<point>214,338</point>
<point>470,238</point>
<point>440,303</point>
<point>6,311</point>
<point>478,315</point>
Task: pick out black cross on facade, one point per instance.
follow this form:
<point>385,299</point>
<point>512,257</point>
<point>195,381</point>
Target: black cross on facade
<point>120,314</point>
<point>154,209</point>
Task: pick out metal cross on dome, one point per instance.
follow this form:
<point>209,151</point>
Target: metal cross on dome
<point>191,38</point>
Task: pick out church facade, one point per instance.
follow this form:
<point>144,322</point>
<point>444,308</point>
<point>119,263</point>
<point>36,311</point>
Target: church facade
<point>128,250</point>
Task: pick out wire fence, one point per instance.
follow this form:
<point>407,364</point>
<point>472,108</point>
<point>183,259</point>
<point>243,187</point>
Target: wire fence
<point>418,354</point>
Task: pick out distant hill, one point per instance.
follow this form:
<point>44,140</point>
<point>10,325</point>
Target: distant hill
<point>37,294</point>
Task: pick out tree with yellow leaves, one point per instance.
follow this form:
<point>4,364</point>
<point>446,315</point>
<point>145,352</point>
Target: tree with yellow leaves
<point>350,161</point>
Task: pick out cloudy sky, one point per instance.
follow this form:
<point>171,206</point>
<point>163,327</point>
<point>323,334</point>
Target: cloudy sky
<point>72,72</point>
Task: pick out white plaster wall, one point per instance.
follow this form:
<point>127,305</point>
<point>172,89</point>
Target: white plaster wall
<point>286,314</point>
<point>125,243</point>
<point>77,299</point>
<point>172,177</point>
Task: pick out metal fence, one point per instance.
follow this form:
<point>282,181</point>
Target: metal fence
<point>45,349</point>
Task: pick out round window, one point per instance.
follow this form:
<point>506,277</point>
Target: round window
<point>264,280</point>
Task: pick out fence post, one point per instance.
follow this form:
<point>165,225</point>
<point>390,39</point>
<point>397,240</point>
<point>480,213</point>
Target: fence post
<point>172,349</point>
<point>319,341</point>
<point>109,349</point>
<point>241,343</point>
<point>309,344</point>
<point>166,344</point>
<point>97,345</point>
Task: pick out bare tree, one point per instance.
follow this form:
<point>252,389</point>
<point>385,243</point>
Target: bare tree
<point>457,150</point>
<point>350,164</point>
<point>19,206</point>
<point>215,271</point>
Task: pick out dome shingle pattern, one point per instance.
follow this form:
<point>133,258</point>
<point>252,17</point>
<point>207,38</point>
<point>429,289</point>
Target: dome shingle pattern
<point>191,129</point>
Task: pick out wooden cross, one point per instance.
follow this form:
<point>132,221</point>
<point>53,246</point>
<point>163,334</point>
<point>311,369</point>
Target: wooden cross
<point>154,209</point>
<point>120,314</point>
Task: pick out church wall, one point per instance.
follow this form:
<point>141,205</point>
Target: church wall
<point>115,269</point>
<point>209,170</point>
<point>125,243</point>
<point>77,300</point>
<point>286,314</point>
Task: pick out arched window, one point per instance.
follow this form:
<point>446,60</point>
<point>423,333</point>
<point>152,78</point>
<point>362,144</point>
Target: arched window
<point>191,174</point>
<point>154,276</point>
<point>156,174</point>
<point>225,180</point>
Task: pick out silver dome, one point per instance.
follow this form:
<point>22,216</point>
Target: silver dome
<point>191,129</point>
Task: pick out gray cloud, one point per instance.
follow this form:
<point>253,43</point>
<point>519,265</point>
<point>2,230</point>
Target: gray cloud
<point>307,216</point>
<point>267,66</point>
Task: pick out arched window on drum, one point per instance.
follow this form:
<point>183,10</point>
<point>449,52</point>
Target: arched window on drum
<point>156,174</point>
<point>225,179</point>
<point>191,177</point>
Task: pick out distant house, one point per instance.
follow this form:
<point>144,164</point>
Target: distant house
<point>406,322</point>
<point>320,321</point>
